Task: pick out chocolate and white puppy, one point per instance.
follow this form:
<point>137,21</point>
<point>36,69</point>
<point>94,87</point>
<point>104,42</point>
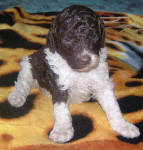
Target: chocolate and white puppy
<point>72,68</point>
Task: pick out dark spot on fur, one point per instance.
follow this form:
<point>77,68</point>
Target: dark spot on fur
<point>118,15</point>
<point>122,20</point>
<point>116,67</point>
<point>44,25</point>
<point>118,29</point>
<point>111,73</point>
<point>105,16</point>
<point>41,36</point>
<point>131,103</point>
<point>134,28</point>
<point>109,58</point>
<point>107,19</point>
<point>51,13</point>
<point>138,43</point>
<point>112,70</point>
<point>139,74</point>
<point>133,83</point>
<point>6,137</point>
<point>7,111</point>
<point>12,39</point>
<point>125,38</point>
<point>82,126</point>
<point>8,79</point>
<point>1,62</point>
<point>112,46</point>
<point>19,12</point>
<point>140,32</point>
<point>106,26</point>
<point>7,18</point>
<point>135,140</point>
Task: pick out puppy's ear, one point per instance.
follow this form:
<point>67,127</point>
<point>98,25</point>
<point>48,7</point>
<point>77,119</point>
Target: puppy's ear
<point>102,33</point>
<point>51,38</point>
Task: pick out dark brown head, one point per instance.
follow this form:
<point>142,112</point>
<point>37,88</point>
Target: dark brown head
<point>77,34</point>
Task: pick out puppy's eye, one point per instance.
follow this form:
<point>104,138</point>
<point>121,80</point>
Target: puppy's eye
<point>92,35</point>
<point>68,39</point>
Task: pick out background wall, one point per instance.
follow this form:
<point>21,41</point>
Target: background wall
<point>37,6</point>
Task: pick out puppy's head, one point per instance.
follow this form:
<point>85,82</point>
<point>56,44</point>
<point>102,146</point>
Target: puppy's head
<point>77,34</point>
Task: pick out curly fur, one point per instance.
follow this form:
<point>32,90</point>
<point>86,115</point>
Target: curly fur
<point>72,69</point>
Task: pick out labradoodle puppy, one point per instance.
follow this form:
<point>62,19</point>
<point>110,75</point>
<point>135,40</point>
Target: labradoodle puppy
<point>72,68</point>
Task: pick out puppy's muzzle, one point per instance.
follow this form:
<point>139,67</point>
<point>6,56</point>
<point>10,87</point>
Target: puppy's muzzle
<point>87,62</point>
<point>84,60</point>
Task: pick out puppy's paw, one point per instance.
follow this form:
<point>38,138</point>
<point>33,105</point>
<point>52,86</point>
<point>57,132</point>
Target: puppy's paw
<point>61,135</point>
<point>16,100</point>
<point>128,130</point>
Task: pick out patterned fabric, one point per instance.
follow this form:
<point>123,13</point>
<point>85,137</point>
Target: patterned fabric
<point>27,128</point>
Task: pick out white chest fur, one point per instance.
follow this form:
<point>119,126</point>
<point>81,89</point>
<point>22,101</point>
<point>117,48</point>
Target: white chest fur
<point>80,88</point>
<point>80,85</point>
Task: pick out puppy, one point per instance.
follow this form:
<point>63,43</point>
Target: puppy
<point>72,68</point>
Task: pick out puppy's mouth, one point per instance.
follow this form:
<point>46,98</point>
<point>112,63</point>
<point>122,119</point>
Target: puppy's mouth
<point>92,63</point>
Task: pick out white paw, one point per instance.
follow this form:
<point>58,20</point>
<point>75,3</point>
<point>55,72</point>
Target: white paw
<point>16,101</point>
<point>128,130</point>
<point>61,135</point>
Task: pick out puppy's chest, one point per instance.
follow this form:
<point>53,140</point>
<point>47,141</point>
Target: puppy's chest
<point>80,89</point>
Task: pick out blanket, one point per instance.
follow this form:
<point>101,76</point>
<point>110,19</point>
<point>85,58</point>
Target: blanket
<point>28,127</point>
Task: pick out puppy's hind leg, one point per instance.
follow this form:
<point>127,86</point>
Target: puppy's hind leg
<point>23,86</point>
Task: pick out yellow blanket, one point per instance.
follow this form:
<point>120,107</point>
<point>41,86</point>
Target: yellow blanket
<point>27,128</point>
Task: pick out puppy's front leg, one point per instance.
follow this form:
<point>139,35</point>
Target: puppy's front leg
<point>23,86</point>
<point>107,99</point>
<point>63,130</point>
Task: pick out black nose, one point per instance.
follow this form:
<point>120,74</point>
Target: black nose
<point>84,60</point>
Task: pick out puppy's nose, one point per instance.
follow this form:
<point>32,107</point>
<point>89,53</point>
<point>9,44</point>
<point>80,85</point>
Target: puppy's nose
<point>84,60</point>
